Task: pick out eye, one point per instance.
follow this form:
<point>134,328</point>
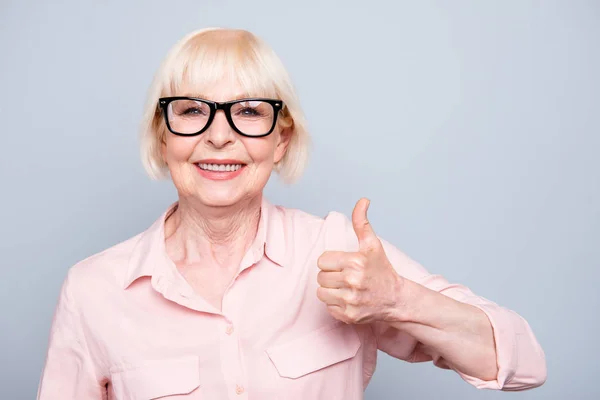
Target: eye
<point>188,109</point>
<point>249,111</point>
<point>191,110</point>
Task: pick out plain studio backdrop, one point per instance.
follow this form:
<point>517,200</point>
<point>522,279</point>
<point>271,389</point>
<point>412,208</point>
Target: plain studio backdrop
<point>473,126</point>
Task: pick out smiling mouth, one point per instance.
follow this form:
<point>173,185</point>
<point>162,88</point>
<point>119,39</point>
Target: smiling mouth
<point>219,167</point>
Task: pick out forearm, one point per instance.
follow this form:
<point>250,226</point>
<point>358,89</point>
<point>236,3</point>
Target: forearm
<point>459,333</point>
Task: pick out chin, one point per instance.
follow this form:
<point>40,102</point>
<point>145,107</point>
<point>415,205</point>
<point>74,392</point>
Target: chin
<point>212,197</point>
<point>218,201</point>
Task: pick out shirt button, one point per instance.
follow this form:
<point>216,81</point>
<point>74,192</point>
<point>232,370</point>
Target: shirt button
<point>239,389</point>
<point>229,329</point>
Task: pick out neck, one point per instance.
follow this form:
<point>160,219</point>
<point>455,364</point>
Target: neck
<point>196,233</point>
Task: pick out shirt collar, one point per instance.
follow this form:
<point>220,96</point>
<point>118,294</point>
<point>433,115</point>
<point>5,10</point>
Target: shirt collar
<point>149,254</point>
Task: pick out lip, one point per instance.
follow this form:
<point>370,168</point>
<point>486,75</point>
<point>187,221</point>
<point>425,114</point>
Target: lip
<point>219,175</point>
<point>219,161</point>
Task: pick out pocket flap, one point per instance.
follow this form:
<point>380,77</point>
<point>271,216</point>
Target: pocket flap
<point>158,378</point>
<point>315,350</point>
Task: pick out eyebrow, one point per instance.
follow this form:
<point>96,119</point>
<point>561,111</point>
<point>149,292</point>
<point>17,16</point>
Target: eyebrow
<point>237,97</point>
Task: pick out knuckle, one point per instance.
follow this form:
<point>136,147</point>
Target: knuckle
<point>354,279</point>
<point>354,262</point>
<point>360,261</point>
<point>350,298</point>
<point>352,314</point>
<point>350,280</point>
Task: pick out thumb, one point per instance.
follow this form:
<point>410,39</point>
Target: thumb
<point>362,228</point>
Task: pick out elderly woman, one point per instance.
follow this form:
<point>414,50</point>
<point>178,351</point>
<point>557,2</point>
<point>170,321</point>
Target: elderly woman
<point>229,296</point>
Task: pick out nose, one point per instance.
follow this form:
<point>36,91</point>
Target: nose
<point>219,134</point>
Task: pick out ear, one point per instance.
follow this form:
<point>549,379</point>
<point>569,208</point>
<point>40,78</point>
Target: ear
<point>163,150</point>
<point>285,136</point>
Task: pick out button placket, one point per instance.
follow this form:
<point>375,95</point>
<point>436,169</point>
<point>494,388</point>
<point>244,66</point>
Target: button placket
<point>239,389</point>
<point>232,359</point>
<point>231,351</point>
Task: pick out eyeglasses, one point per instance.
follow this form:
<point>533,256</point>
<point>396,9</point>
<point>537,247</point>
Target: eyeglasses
<point>189,116</point>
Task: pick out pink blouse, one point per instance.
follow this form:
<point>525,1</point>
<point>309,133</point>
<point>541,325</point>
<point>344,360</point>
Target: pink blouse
<point>128,326</point>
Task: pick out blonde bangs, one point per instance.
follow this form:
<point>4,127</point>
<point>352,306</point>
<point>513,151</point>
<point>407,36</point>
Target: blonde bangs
<point>215,58</point>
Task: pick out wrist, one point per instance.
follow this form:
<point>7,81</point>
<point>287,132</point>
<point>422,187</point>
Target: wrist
<point>400,309</point>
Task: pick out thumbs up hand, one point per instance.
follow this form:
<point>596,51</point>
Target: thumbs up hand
<point>359,287</point>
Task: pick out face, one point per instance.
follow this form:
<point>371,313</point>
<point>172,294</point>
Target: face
<point>247,162</point>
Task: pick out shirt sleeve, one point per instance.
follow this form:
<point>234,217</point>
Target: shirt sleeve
<point>69,371</point>
<point>520,358</point>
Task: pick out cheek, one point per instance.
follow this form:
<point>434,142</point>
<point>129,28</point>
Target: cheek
<point>261,150</point>
<point>179,149</point>
<point>177,152</point>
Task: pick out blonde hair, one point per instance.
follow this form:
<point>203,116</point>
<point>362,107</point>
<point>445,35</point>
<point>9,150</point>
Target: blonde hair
<point>204,58</point>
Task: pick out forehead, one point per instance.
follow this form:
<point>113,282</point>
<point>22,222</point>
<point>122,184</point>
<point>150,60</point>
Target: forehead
<point>222,90</point>
<point>219,91</point>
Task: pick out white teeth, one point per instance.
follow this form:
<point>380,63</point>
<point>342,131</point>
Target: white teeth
<point>220,167</point>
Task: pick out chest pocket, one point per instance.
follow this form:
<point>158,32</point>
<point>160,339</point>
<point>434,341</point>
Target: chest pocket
<point>168,379</point>
<point>314,351</point>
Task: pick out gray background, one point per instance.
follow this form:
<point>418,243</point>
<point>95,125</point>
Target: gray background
<point>472,125</point>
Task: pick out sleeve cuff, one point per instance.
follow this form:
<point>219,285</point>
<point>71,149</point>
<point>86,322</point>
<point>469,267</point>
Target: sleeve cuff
<point>506,349</point>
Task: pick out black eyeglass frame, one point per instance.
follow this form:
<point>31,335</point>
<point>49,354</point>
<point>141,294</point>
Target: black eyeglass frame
<point>164,102</point>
